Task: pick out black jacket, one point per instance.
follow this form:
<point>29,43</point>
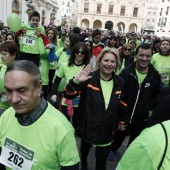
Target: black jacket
<point>95,123</point>
<point>140,99</point>
<point>128,59</point>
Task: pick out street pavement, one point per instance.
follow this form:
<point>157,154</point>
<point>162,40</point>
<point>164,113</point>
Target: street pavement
<point>111,165</point>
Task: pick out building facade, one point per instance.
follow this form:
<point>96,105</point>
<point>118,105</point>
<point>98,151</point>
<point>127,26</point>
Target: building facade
<point>51,11</point>
<point>163,19</point>
<point>150,16</point>
<point>118,15</point>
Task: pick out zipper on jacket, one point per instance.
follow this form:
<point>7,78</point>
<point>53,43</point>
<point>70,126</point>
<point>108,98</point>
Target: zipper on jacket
<point>136,99</point>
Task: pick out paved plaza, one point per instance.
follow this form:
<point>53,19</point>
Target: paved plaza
<point>111,165</point>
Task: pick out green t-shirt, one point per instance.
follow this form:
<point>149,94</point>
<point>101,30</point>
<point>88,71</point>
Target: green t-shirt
<point>66,73</point>
<point>140,76</point>
<point>62,56</point>
<point>162,65</point>
<point>107,87</point>
<point>146,151</point>
<point>61,42</point>
<point>121,68</point>
<point>49,142</point>
<point>44,71</point>
<point>4,103</point>
<point>29,42</point>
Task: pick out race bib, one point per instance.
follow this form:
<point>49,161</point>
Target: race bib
<point>28,40</point>
<point>164,76</point>
<point>16,156</point>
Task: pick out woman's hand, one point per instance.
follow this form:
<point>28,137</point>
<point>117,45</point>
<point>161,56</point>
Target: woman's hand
<point>83,75</point>
<point>54,98</point>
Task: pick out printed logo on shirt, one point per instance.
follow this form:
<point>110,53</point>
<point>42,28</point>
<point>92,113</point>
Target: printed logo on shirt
<point>147,84</point>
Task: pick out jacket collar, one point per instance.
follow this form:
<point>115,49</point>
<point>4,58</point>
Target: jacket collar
<point>150,72</point>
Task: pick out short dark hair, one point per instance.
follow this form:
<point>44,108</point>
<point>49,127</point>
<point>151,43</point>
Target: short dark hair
<point>76,30</point>
<point>73,40</point>
<point>143,46</point>
<point>96,32</point>
<point>76,47</point>
<point>28,67</point>
<point>34,14</point>
<point>10,47</point>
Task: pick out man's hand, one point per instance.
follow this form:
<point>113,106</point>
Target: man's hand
<point>121,126</point>
<point>54,98</point>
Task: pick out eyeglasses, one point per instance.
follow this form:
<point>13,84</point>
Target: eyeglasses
<point>127,49</point>
<point>80,52</point>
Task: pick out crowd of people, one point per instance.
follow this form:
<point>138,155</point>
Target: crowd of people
<point>59,84</point>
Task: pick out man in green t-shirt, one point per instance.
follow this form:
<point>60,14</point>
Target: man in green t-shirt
<point>33,134</point>
<point>142,85</point>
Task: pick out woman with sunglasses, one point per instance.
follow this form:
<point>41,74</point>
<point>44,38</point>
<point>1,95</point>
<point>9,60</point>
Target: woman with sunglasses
<point>89,43</point>
<point>125,57</point>
<point>79,57</point>
<point>122,40</point>
<point>99,92</point>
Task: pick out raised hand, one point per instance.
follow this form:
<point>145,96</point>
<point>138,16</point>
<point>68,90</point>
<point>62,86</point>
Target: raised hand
<point>83,75</point>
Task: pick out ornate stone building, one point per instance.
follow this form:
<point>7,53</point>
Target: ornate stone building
<point>50,10</point>
<point>163,19</point>
<point>150,16</point>
<point>119,15</point>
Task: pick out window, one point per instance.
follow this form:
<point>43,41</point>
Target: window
<point>63,3</point>
<point>99,6</point>
<point>122,11</point>
<point>167,10</point>
<point>135,12</point>
<point>149,13</point>
<point>86,7</point>
<point>148,20</point>
<point>159,21</point>
<point>161,11</point>
<point>165,21</point>
<point>110,9</point>
<point>153,20</point>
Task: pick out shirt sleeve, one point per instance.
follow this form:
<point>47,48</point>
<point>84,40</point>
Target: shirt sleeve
<point>67,150</point>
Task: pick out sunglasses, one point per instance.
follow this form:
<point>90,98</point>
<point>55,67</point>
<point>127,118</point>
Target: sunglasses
<point>80,52</point>
<point>127,49</point>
